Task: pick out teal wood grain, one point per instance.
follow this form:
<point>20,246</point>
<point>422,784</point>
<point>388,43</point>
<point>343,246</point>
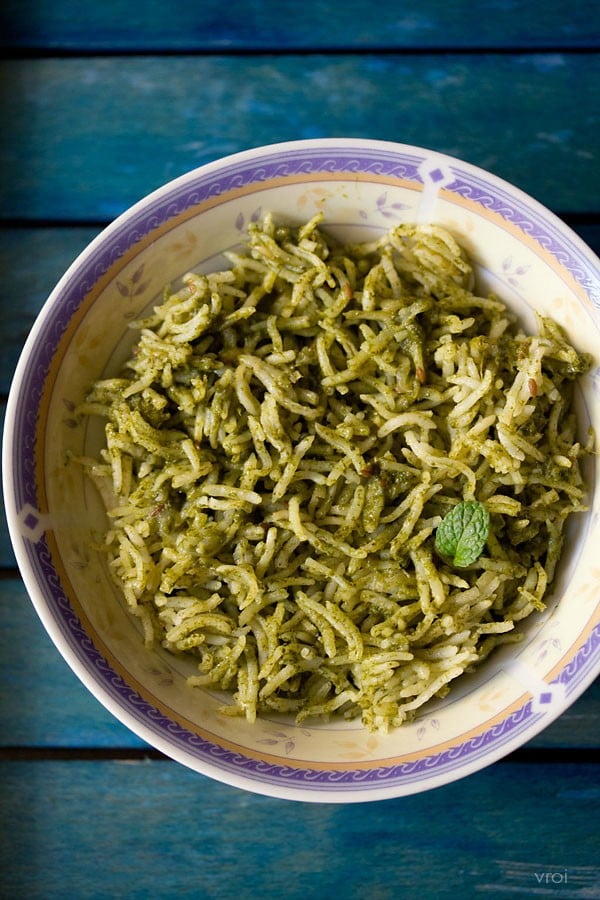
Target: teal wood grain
<point>90,136</point>
<point>98,830</point>
<point>42,702</point>
<point>32,260</point>
<point>35,680</point>
<point>284,25</point>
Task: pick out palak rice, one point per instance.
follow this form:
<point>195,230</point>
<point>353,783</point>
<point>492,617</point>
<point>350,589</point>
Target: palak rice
<point>283,444</point>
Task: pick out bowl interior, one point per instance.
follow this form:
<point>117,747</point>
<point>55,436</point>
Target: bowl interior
<point>522,253</point>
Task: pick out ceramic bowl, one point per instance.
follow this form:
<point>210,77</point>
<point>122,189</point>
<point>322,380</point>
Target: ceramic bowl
<point>521,251</point>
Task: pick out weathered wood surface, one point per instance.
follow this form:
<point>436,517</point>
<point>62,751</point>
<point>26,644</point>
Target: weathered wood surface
<point>76,154</point>
<point>152,829</point>
<point>283,26</point>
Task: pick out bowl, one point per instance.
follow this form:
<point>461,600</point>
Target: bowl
<point>521,251</point>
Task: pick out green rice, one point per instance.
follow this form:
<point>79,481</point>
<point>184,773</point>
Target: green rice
<point>285,440</point>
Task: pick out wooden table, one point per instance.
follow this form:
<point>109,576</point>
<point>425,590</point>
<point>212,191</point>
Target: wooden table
<point>101,103</point>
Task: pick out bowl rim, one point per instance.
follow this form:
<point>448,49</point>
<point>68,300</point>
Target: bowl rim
<point>31,578</point>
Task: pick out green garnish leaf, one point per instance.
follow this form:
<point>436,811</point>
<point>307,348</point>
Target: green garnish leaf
<point>462,533</point>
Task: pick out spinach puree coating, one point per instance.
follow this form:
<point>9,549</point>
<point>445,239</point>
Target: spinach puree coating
<point>284,442</point>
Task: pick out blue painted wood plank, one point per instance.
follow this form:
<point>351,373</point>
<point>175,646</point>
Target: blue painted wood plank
<point>43,704</point>
<point>74,153</point>
<point>242,24</point>
<point>94,830</point>
<point>31,262</point>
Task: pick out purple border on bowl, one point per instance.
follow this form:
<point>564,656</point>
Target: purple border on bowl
<point>398,774</point>
<point>212,181</point>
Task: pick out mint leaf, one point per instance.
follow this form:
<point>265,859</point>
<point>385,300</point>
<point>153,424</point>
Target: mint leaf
<point>462,533</point>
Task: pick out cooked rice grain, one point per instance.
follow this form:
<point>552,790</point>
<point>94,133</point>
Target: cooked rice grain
<point>282,445</point>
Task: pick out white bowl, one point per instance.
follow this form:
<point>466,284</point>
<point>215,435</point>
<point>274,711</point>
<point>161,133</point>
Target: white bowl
<point>521,251</point>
